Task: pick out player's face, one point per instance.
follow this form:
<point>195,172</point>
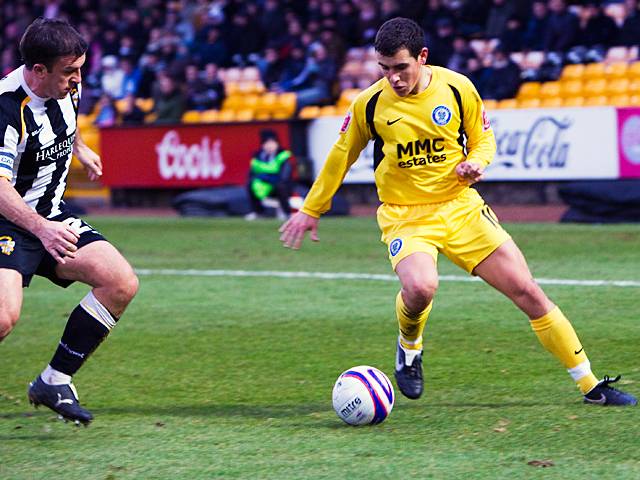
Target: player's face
<point>402,70</point>
<point>63,76</point>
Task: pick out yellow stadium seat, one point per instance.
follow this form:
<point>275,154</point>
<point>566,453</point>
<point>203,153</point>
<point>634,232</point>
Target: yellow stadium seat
<point>285,105</point>
<point>573,102</point>
<point>267,103</point>
<point>209,116</point>
<point>571,88</point>
<point>226,115</point>
<point>245,115</point>
<point>347,96</point>
<point>621,100</point>
<point>634,100</point>
<point>596,101</point>
<point>191,116</point>
<point>262,115</point>
<point>282,115</point>
<point>551,102</point>
<point>145,104</point>
<point>634,86</point>
<point>84,121</point>
<point>508,103</point>
<point>617,70</point>
<point>121,104</point>
<point>310,111</point>
<point>341,110</point>
<point>328,111</point>
<point>529,103</point>
<point>634,70</point>
<point>574,72</point>
<point>617,86</point>
<point>595,87</point>
<point>529,90</point>
<point>550,89</point>
<point>233,102</point>
<point>490,104</point>
<point>232,88</point>
<point>594,70</point>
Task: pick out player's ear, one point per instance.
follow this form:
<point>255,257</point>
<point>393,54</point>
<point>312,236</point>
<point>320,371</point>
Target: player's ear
<point>40,69</point>
<point>422,57</point>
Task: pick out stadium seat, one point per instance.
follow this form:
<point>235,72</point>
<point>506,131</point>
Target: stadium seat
<point>595,87</point>
<point>634,70</point>
<point>341,110</point>
<point>529,103</point>
<point>233,102</point>
<point>550,89</point>
<point>262,115</point>
<point>490,104</point>
<point>84,121</point>
<point>634,86</point>
<point>529,90</point>
<point>634,100</point>
<point>621,100</point>
<point>551,102</point>
<point>571,88</point>
<point>226,115</point>
<point>618,86</point>
<point>594,70</point>
<point>572,72</point>
<point>231,88</point>
<point>347,96</point>
<point>145,104</point>
<point>508,103</point>
<point>191,116</point>
<point>267,103</point>
<point>573,102</point>
<point>328,111</point>
<point>285,105</point>
<point>121,104</point>
<point>596,101</point>
<point>616,70</point>
<point>310,111</point>
<point>209,116</point>
<point>245,115</point>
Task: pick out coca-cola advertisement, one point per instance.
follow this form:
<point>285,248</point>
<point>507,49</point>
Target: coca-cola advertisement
<point>176,156</point>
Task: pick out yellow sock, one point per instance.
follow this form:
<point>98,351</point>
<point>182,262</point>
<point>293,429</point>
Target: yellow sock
<point>558,336</point>
<point>411,325</point>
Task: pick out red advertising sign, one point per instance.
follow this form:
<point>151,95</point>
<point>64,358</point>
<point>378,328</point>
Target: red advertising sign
<point>629,142</point>
<point>176,156</point>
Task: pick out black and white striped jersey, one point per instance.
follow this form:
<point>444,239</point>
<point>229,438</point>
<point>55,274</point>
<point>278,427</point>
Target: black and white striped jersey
<point>36,142</point>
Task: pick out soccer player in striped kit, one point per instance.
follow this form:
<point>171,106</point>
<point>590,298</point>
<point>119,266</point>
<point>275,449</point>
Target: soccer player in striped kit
<point>38,235</point>
<point>432,140</point>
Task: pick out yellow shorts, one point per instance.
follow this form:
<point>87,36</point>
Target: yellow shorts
<point>464,229</point>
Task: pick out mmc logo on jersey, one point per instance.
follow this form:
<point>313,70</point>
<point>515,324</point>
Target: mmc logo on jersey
<point>422,152</point>
<point>7,245</point>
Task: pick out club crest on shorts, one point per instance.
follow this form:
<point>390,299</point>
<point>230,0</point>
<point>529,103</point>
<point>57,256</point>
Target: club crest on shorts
<point>7,245</point>
<point>395,246</point>
<point>441,115</point>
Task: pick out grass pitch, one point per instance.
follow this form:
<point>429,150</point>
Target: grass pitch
<point>230,377</point>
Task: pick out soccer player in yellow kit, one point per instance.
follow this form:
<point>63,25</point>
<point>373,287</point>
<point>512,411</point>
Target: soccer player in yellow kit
<point>432,140</point>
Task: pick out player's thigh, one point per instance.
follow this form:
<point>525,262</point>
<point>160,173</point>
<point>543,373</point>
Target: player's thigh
<point>474,231</point>
<point>418,274</point>
<point>10,297</point>
<point>98,264</point>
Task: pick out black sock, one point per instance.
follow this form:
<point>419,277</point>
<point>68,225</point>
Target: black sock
<point>81,337</point>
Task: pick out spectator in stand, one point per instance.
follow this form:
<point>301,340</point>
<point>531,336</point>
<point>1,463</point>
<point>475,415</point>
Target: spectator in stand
<point>499,14</point>
<point>630,31</point>
<point>149,67</point>
<point>211,93</point>
<point>213,50</point>
<point>131,78</point>
<point>435,11</point>
<point>389,9</point>
<point>292,67</point>
<point>272,21</point>
<point>107,115</point>
<point>504,76</point>
<point>536,29</point>
<point>347,23</point>
<point>314,84</point>
<point>479,75</point>
<point>597,30</point>
<point>169,101</point>
<point>245,36</point>
<point>511,39</point>
<point>270,67</point>
<point>562,29</point>
<point>462,52</point>
<point>368,22</point>
<point>441,44</point>
<point>131,113</point>
<point>112,77</point>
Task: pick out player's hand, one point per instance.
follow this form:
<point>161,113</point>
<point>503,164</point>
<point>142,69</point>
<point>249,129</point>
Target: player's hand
<point>90,160</point>
<point>292,232</point>
<point>469,172</point>
<point>59,239</point>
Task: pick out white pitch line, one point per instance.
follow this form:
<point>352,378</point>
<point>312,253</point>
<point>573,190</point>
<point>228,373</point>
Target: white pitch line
<point>366,276</point>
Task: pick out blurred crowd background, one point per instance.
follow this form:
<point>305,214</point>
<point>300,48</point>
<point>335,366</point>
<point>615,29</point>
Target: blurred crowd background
<point>170,61</point>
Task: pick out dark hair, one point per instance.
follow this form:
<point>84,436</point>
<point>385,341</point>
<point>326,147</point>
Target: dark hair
<point>268,134</point>
<point>47,39</point>
<point>399,33</point>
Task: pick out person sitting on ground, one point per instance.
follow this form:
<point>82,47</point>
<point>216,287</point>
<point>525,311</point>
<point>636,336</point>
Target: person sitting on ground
<point>269,175</point>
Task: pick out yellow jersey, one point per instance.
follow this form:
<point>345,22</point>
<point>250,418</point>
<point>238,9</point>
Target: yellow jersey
<point>418,141</point>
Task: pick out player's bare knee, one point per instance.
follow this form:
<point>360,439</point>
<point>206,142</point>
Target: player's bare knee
<point>7,321</point>
<point>420,292</point>
<point>127,288</point>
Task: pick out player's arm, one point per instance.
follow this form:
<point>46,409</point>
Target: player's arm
<point>58,239</point>
<point>354,136</point>
<point>89,159</point>
<point>481,143</point>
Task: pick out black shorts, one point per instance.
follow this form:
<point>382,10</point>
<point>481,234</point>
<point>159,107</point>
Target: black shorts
<point>22,251</point>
